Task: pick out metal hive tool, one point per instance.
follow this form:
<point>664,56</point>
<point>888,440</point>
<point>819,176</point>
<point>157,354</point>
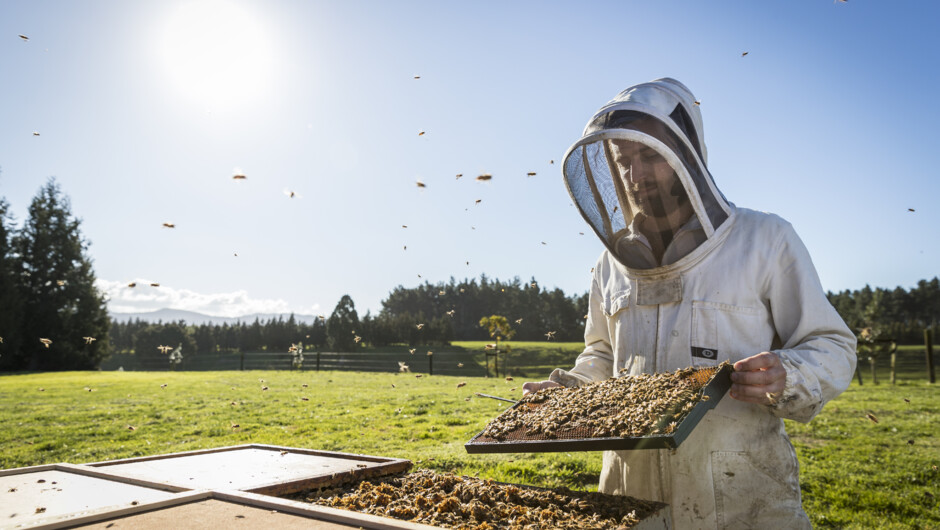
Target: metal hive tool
<point>716,381</point>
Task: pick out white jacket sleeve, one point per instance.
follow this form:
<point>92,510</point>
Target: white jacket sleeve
<point>816,347</point>
<point>596,362</point>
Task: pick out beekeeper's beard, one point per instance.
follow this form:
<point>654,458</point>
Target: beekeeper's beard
<point>661,209</point>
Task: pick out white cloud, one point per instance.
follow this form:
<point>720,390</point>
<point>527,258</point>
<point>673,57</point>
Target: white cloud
<point>144,297</point>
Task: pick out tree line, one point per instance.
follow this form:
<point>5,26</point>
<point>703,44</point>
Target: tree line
<point>897,313</point>
<point>430,314</point>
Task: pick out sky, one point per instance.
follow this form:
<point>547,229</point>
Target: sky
<point>146,110</point>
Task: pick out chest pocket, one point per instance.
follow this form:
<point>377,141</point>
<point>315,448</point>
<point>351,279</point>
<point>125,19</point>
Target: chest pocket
<point>722,332</point>
<point>616,303</point>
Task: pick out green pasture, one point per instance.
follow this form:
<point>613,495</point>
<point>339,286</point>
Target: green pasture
<point>855,473</point>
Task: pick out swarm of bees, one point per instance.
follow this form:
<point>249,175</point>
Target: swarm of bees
<point>451,501</point>
<point>620,407</point>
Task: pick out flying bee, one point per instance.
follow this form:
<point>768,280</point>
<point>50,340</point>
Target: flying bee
<point>451,312</point>
<point>420,133</point>
<point>45,342</point>
<point>40,510</point>
<point>530,174</point>
<point>872,417</point>
<point>462,383</point>
<point>305,399</point>
<point>131,428</point>
<point>417,77</point>
<point>459,365</point>
<point>304,385</point>
<point>420,184</point>
<point>412,351</point>
<point>89,340</point>
<point>404,226</point>
<point>321,317</point>
<point>697,103</point>
<point>459,175</point>
<point>484,177</point>
<point>910,209</point>
<point>169,225</point>
<point>544,243</point>
<point>440,293</point>
<point>60,283</point>
<point>551,161</point>
<point>356,339</point>
<point>418,376</point>
<point>283,453</point>
<point>478,201</point>
<point>132,285</point>
<point>402,367</point>
<point>430,353</point>
<point>24,37</point>
<point>154,284</point>
<point>550,335</point>
<point>518,321</point>
<point>35,133</point>
<point>263,388</point>
<point>490,347</point>
<point>291,194</point>
<point>164,349</point>
<point>419,326</point>
<point>235,425</point>
<point>743,54</point>
<point>508,379</point>
<point>905,399</point>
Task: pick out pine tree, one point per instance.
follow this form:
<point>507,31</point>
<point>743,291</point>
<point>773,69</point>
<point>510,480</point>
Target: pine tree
<point>10,302</point>
<point>57,285</point>
<point>342,324</point>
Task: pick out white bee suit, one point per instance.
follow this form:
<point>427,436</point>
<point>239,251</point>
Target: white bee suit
<point>731,283</point>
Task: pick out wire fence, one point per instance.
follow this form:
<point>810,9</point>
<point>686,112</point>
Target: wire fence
<point>909,364</point>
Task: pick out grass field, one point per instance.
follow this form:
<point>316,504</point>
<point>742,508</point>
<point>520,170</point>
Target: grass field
<point>855,473</point>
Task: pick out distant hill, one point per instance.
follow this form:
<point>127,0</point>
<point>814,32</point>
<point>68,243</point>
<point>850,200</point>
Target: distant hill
<point>191,317</point>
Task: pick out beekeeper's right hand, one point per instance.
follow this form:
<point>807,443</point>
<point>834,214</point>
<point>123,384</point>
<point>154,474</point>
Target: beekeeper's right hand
<point>530,387</point>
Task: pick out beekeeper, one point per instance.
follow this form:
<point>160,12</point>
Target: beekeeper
<point>689,278</point>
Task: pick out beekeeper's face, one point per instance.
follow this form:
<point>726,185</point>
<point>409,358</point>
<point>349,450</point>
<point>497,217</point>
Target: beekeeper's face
<point>651,185</point>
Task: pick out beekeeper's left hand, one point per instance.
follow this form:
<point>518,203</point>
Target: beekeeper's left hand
<point>758,379</point>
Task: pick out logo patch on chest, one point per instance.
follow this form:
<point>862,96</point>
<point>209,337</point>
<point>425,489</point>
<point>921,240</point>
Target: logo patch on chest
<point>705,353</point>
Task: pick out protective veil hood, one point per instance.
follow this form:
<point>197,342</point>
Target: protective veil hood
<point>639,177</point>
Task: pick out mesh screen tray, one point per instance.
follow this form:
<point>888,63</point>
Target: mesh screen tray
<point>719,381</point>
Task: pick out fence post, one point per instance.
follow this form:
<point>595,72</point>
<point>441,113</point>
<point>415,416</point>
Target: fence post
<point>318,361</point>
<point>430,364</point>
<point>893,359</point>
<point>928,342</point>
<point>858,372</point>
<point>241,363</point>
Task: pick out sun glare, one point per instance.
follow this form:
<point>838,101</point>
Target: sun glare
<point>215,52</point>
